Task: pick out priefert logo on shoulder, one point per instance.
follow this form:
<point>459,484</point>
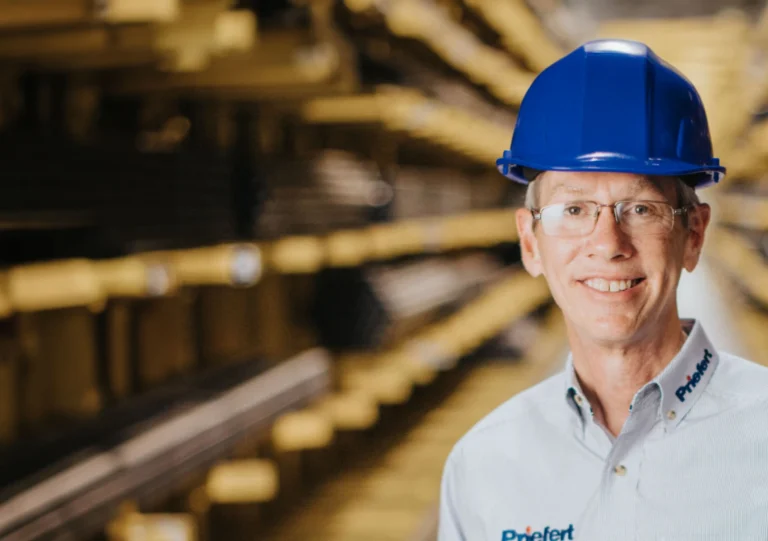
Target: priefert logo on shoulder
<point>694,379</point>
<point>545,535</point>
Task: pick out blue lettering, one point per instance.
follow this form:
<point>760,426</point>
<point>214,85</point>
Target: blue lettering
<point>545,535</point>
<point>694,379</point>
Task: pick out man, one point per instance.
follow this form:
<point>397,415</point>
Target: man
<point>650,432</point>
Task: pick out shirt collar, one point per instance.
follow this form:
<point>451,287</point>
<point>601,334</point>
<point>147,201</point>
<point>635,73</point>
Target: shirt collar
<point>681,382</point>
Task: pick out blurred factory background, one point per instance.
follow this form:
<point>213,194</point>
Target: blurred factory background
<point>259,272</point>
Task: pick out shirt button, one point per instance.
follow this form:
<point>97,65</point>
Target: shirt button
<point>671,415</point>
<point>620,470</point>
<point>578,399</point>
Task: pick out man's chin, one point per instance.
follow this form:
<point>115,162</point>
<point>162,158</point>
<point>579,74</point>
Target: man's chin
<point>609,330</point>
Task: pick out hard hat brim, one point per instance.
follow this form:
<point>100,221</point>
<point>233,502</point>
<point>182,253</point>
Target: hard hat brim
<point>704,175</point>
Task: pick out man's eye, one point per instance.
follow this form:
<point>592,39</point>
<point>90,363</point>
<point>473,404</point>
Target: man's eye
<point>573,210</point>
<point>641,210</point>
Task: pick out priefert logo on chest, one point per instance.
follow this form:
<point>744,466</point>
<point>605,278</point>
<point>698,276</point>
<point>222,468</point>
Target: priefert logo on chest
<point>695,378</point>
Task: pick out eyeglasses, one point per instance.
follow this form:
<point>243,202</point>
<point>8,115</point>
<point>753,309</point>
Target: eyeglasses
<point>578,218</point>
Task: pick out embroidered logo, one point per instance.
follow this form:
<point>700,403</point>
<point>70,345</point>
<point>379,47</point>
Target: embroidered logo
<point>694,379</point>
<point>546,534</point>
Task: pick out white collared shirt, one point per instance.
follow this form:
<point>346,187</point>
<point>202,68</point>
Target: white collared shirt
<point>691,461</point>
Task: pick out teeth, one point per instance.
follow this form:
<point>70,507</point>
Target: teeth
<point>612,285</point>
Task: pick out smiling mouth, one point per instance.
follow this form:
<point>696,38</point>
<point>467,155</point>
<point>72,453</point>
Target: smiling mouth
<point>611,286</point>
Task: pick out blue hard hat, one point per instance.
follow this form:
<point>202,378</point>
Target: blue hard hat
<point>612,105</point>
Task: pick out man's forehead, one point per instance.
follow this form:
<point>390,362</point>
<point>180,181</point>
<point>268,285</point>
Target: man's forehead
<point>591,182</point>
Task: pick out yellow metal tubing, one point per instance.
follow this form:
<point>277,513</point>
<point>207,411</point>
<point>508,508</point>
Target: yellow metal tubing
<point>386,384</point>
<point>242,481</point>
<point>59,284</point>
<point>347,248</point>
<point>136,11</point>
<point>408,111</point>
<point>520,29</point>
<point>459,48</point>
<point>237,264</point>
<point>135,277</point>
<point>295,254</point>
<point>52,13</point>
<point>133,526</point>
<point>350,410</point>
<point>183,44</point>
<point>302,430</point>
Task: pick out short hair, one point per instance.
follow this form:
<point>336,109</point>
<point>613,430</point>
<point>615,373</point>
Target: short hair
<point>686,195</point>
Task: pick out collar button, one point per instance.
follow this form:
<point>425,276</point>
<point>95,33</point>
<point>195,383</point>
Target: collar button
<point>671,415</point>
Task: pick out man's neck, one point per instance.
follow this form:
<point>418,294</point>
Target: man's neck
<point>611,376</point>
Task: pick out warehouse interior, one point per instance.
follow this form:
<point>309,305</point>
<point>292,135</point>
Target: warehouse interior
<point>259,270</point>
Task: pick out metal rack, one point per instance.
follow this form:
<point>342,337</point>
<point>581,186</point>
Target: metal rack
<point>79,500</point>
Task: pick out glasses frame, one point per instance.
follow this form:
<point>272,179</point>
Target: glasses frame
<point>681,211</point>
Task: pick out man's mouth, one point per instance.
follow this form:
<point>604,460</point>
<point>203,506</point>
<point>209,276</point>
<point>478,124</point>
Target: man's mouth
<point>612,286</point>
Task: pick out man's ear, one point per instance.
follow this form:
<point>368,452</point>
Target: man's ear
<point>698,220</point>
<point>529,247</point>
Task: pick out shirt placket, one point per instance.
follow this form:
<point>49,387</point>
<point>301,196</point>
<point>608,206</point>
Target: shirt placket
<point>612,512</point>
<point>587,431</point>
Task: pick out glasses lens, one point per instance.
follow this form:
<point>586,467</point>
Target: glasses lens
<point>646,217</point>
<point>571,219</point>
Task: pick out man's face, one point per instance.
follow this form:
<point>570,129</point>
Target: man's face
<point>577,268</point>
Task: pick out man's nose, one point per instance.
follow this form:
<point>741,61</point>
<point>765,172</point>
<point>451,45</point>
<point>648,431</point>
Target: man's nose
<point>608,240</point>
